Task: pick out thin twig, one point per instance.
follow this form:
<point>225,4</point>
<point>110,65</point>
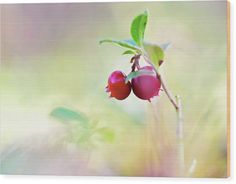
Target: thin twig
<point>135,61</point>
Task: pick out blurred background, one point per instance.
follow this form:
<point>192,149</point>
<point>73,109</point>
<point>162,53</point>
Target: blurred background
<point>50,57</point>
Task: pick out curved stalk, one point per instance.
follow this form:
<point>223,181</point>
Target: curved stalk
<point>168,94</point>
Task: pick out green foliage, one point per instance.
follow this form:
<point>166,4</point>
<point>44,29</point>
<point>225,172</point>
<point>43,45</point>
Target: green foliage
<point>124,43</point>
<point>129,52</point>
<point>136,45</point>
<point>65,115</point>
<point>155,53</point>
<point>138,28</point>
<point>88,128</point>
<point>137,73</point>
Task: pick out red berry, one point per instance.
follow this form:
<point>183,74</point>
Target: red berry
<point>117,86</point>
<point>146,86</point>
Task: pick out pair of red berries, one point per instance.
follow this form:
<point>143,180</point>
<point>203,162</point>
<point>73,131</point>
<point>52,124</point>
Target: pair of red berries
<point>144,86</point>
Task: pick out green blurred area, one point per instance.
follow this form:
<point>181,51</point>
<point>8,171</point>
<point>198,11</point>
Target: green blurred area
<point>51,57</point>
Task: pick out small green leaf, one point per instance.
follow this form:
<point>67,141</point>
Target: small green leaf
<point>138,28</point>
<point>65,114</point>
<point>107,134</point>
<point>125,44</point>
<point>138,73</point>
<point>129,52</point>
<point>155,53</point>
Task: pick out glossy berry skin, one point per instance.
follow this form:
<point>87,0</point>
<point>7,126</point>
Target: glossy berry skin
<point>146,86</point>
<point>117,86</point>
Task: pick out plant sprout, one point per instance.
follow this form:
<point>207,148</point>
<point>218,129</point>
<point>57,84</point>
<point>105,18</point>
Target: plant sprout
<point>145,81</point>
<point>81,127</point>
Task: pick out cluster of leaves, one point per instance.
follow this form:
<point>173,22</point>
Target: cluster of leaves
<point>137,45</point>
<point>83,129</point>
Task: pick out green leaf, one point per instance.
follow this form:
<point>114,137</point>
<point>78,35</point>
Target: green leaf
<point>155,53</point>
<point>138,28</point>
<point>129,52</point>
<point>65,114</point>
<point>107,134</point>
<point>137,73</point>
<point>125,44</point>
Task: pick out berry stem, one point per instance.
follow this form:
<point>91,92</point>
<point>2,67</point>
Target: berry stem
<point>168,94</point>
<point>135,61</point>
